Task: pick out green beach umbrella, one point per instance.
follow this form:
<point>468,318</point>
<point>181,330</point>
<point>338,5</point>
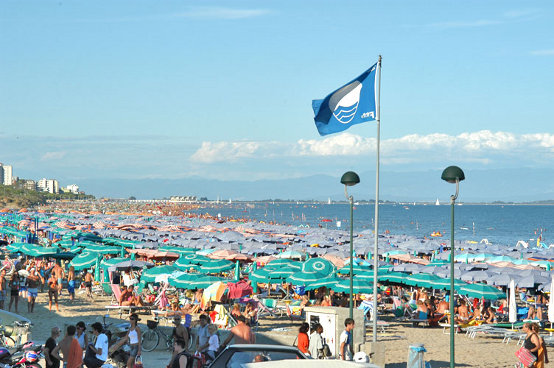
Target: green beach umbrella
<point>425,280</point>
<point>149,275</point>
<point>237,271</point>
<point>444,284</point>
<point>203,282</point>
<point>283,262</point>
<point>302,278</point>
<point>360,286</point>
<point>191,259</point>
<point>327,282</point>
<point>396,277</point>
<point>97,269</point>
<point>84,260</point>
<point>481,291</point>
<point>183,279</point>
<point>320,265</point>
<point>216,266</point>
<point>355,268</point>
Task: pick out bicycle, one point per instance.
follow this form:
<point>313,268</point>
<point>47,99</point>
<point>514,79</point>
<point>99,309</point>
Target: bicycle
<point>151,337</point>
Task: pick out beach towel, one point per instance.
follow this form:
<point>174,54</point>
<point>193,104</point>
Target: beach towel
<point>75,359</point>
<point>526,357</point>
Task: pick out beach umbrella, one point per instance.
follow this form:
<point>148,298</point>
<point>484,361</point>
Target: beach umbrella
<point>395,277</point>
<point>358,286</point>
<point>355,269</point>
<point>478,276</point>
<point>216,266</point>
<point>324,282</point>
<point>191,259</point>
<point>83,261</point>
<point>283,262</point>
<point>302,278</point>
<point>271,275</point>
<point>202,282</point>
<point>132,264</point>
<point>150,274</point>
<point>481,291</point>
<point>320,265</point>
<point>97,269</point>
<point>444,284</point>
<point>292,254</point>
<point>422,280</point>
<point>182,280</point>
<point>512,306</point>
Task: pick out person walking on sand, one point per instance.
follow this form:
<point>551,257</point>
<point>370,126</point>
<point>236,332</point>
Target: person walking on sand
<point>316,342</point>
<point>71,283</point>
<point>303,340</point>
<point>346,350</point>
<point>53,292</point>
<point>88,283</point>
<point>70,349</point>
<point>14,291</point>
<point>33,281</point>
<point>59,274</point>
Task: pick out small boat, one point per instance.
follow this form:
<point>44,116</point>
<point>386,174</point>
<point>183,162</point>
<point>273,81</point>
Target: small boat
<point>437,203</point>
<point>436,234</point>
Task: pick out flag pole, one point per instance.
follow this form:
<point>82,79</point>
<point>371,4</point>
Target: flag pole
<point>376,248</point>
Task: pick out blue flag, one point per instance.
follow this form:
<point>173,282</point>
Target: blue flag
<point>353,103</point>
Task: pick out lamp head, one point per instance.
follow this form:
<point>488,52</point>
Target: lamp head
<point>350,178</point>
<point>452,173</point>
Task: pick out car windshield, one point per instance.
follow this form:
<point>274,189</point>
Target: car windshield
<point>240,357</point>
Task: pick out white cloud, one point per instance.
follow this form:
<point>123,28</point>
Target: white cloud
<point>471,146</point>
<point>52,156</point>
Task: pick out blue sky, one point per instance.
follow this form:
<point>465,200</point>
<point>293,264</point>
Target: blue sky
<point>223,89</point>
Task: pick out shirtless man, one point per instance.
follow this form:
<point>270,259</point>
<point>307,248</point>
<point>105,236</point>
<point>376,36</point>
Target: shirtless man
<point>463,313</point>
<point>2,288</point>
<point>33,280</point>
<point>59,273</point>
<point>53,292</point>
<point>241,333</point>
<point>88,283</point>
<point>443,307</point>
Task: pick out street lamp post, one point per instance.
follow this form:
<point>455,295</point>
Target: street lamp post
<point>350,178</point>
<point>452,174</point>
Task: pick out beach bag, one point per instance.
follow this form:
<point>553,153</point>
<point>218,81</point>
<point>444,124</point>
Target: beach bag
<point>526,357</point>
<point>325,351</point>
<point>138,362</point>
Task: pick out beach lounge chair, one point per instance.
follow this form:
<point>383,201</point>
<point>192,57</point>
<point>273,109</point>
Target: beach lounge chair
<point>294,312</point>
<point>116,293</point>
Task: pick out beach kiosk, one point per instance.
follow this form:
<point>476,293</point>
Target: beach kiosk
<point>332,321</point>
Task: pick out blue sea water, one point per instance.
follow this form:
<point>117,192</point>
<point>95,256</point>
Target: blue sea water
<point>500,224</point>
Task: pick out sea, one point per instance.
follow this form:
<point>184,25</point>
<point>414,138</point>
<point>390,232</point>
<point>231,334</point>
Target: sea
<point>504,224</point>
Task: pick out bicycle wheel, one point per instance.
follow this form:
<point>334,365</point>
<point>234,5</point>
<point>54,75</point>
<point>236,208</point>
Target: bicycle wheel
<point>150,340</point>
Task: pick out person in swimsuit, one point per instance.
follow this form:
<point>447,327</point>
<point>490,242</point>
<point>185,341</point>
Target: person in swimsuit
<point>33,281</point>
<point>53,292</point>
<point>14,291</point>
<point>88,283</point>
<point>71,283</point>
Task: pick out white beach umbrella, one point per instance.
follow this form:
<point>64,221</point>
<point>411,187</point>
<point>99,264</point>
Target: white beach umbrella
<point>512,307</point>
<point>551,303</point>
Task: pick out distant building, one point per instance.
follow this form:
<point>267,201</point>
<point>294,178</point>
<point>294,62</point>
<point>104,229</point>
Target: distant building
<point>49,185</point>
<point>6,176</point>
<point>29,184</point>
<point>188,199</point>
<point>72,188</point>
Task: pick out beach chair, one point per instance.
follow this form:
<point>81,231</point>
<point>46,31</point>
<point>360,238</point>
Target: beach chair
<point>116,293</point>
<point>294,313</point>
<point>269,307</point>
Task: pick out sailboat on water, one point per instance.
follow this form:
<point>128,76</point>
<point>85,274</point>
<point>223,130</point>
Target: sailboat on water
<point>437,203</point>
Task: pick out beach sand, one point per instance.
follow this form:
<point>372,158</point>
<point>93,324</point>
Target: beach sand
<point>478,352</point>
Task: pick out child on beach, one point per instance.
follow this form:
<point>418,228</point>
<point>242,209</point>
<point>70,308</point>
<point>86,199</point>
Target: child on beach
<point>213,341</point>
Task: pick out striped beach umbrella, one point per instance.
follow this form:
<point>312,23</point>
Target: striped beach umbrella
<point>481,291</point>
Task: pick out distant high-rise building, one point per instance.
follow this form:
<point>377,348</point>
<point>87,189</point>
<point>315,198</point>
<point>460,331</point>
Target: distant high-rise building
<point>48,185</point>
<point>29,184</point>
<point>73,188</point>
<point>7,175</point>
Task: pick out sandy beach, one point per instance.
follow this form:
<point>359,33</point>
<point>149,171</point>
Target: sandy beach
<point>478,352</point>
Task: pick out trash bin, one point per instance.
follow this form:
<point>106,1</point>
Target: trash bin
<point>416,358</point>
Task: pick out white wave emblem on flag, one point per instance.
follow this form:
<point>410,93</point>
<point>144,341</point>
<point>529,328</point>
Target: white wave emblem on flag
<point>344,102</point>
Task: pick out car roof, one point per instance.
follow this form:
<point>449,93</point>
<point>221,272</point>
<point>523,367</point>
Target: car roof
<point>263,347</point>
